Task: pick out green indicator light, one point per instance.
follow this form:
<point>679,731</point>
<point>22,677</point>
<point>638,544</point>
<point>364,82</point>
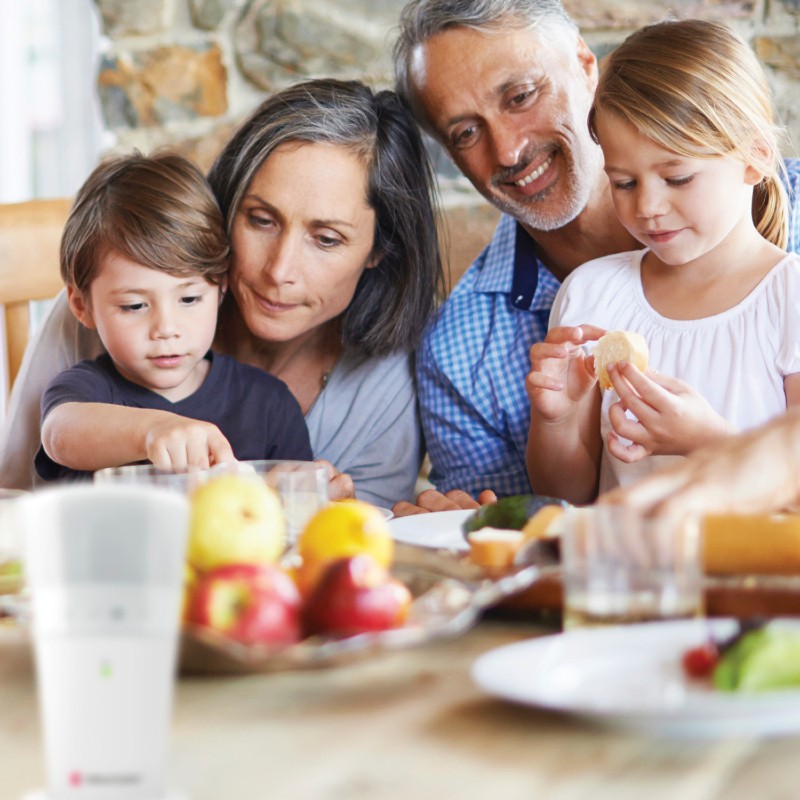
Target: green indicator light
<point>105,669</point>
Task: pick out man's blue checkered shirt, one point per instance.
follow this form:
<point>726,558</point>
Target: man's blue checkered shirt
<point>473,360</point>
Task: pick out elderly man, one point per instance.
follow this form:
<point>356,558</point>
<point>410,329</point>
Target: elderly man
<point>505,86</point>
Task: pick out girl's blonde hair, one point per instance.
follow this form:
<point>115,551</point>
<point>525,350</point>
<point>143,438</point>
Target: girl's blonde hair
<point>692,87</point>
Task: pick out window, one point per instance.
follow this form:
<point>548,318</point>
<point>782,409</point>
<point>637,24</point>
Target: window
<point>51,134</point>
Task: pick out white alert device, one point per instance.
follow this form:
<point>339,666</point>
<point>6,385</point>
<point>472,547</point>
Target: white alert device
<point>104,565</point>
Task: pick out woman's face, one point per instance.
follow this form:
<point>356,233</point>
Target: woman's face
<point>301,238</point>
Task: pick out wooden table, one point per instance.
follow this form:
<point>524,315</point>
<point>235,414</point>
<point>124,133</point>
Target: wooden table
<point>407,725</point>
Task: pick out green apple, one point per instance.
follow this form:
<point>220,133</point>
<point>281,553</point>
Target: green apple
<point>235,519</point>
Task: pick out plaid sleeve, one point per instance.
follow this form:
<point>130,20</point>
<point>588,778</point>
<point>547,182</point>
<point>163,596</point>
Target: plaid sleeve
<point>471,372</point>
<point>466,451</point>
<point>793,188</point>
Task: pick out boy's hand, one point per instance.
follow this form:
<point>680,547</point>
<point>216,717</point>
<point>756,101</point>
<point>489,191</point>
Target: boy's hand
<point>181,443</point>
<point>561,375</point>
<point>672,418</point>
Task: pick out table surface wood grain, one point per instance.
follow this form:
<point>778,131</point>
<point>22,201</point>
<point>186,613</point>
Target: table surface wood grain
<point>402,725</point>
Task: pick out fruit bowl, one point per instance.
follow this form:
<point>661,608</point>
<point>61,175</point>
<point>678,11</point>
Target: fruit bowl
<point>449,596</point>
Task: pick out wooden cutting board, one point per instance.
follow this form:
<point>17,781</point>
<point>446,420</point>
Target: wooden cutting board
<point>729,596</point>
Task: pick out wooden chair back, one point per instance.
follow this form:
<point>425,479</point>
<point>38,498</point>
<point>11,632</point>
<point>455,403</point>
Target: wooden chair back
<point>30,236</point>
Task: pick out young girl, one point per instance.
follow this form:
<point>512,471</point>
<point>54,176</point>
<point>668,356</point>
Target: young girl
<point>684,118</point>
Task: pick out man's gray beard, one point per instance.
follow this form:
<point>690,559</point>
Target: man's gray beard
<point>532,217</point>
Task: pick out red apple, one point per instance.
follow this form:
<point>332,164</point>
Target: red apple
<point>251,603</point>
<point>356,595</point>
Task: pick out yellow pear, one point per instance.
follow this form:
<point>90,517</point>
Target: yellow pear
<point>236,519</point>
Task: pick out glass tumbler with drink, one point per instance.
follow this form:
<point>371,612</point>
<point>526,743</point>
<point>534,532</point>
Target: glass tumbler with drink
<point>12,578</point>
<point>619,567</point>
<point>301,485</point>
<point>147,474</point>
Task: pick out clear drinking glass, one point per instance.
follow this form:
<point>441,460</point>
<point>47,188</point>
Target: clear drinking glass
<point>11,543</point>
<point>302,486</point>
<point>183,482</point>
<point>620,567</point>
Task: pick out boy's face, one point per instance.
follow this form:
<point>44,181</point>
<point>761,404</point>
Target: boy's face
<point>155,326</point>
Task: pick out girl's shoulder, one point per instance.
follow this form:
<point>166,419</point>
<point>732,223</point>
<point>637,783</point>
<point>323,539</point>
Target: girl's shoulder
<point>603,292</point>
<point>785,273</point>
<point>791,261</point>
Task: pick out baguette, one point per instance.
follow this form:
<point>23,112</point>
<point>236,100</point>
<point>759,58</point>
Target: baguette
<point>618,346</point>
<point>756,544</point>
<point>497,547</point>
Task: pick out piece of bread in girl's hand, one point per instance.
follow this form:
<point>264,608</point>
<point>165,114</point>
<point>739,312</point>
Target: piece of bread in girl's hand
<point>618,346</point>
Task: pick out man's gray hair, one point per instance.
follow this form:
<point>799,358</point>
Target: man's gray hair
<point>422,19</point>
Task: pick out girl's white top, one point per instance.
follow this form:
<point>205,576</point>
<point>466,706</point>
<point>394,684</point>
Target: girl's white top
<point>737,359</point>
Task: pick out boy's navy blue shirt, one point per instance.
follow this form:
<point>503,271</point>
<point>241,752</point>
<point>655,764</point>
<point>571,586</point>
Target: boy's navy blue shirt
<point>255,411</point>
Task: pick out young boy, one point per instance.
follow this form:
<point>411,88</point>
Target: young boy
<point>144,257</point>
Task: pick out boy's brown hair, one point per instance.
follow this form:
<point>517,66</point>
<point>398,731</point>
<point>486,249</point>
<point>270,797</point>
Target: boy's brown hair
<point>156,210</point>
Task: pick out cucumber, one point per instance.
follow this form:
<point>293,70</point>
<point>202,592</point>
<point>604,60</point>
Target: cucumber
<point>761,660</point>
<point>510,513</point>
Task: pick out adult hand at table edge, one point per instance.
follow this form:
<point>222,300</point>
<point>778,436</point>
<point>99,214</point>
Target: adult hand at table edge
<point>751,473</point>
<point>340,484</point>
<point>432,500</point>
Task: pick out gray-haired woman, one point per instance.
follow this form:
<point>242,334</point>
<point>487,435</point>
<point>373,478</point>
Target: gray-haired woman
<point>328,198</point>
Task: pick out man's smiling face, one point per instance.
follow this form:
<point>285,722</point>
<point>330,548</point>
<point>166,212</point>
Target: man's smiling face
<point>511,109</point>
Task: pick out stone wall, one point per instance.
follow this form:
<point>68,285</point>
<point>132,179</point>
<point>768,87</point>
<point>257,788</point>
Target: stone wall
<point>184,72</point>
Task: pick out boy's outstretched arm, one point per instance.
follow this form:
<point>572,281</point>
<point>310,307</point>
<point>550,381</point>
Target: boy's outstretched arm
<point>564,444</point>
<point>92,436</point>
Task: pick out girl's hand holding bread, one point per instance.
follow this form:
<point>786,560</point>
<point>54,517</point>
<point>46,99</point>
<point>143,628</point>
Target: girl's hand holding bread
<point>561,373</point>
<point>564,443</point>
<point>672,418</point>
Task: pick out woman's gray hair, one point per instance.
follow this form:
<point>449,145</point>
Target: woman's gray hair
<point>394,299</point>
<point>422,19</point>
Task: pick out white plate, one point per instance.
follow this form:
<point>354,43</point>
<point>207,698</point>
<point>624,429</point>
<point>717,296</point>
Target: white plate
<point>387,512</point>
<point>631,676</point>
<point>441,529</point>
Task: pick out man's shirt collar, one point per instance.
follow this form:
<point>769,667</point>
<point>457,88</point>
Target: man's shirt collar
<point>512,244</point>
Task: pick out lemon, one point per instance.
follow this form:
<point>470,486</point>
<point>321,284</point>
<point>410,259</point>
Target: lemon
<point>342,530</point>
<point>235,519</point>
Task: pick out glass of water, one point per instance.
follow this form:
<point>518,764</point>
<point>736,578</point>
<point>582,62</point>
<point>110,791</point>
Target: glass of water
<point>620,567</point>
<point>12,546</point>
<point>183,482</point>
<point>302,486</point>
